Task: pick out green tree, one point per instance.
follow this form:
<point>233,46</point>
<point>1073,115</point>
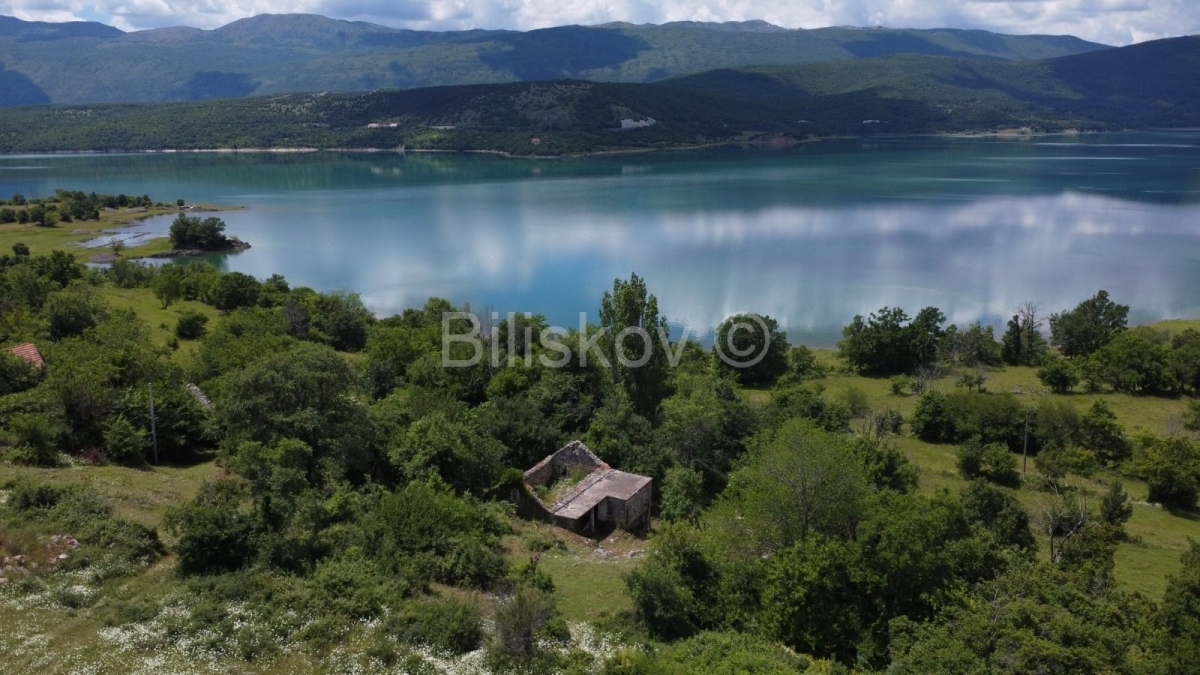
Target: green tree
<point>1056,462</point>
<point>454,450</point>
<point>73,310</point>
<point>630,314</point>
<point>998,510</point>
<point>1023,343</point>
<point>705,423</point>
<point>886,342</point>
<point>302,393</point>
<point>755,344</point>
<point>167,284</point>
<point>1185,360</point>
<point>233,290</point>
<point>992,462</point>
<point>1000,628</point>
<point>1058,374</point>
<point>16,374</point>
<point>214,533</point>
<point>682,495</point>
<point>208,234</point>
<point>1115,506</point>
<point>797,481</point>
<point>1100,432</point>
<point>59,267</point>
<point>932,421</point>
<point>673,592</point>
<point>975,346</point>
<point>125,443</point>
<point>342,320</point>
<point>1088,327</point>
<point>1171,467</point>
<point>36,439</point>
<point>1135,362</point>
<point>1180,614</point>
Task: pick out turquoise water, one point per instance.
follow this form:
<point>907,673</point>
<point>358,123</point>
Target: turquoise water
<point>810,235</point>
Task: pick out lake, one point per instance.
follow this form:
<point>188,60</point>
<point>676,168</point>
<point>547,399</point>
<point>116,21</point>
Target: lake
<point>811,235</point>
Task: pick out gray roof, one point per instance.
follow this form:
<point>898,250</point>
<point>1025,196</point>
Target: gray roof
<point>595,488</point>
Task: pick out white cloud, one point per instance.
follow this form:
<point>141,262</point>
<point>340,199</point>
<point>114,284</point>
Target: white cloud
<point>1110,21</point>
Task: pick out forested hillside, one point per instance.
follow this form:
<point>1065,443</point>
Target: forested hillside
<point>1146,85</point>
<point>91,62</point>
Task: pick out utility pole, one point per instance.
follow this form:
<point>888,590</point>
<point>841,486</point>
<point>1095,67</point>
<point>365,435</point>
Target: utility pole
<point>153,428</point>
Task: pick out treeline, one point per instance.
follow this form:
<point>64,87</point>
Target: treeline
<point>361,474</point>
<point>66,206</point>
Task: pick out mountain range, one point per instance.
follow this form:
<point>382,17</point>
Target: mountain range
<point>1151,84</point>
<point>85,62</point>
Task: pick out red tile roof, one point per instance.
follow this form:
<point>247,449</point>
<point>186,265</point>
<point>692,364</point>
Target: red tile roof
<point>30,353</point>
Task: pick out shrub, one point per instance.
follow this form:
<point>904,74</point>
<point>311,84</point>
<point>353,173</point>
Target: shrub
<point>720,653</point>
<point>1100,432</point>
<point>804,364</point>
<point>682,494</point>
<point>350,585</point>
<point>1059,375</point>
<point>932,421</point>
<point>214,534</point>
<point>449,626</point>
<point>540,542</point>
<point>519,621</point>
<point>901,384</point>
<point>1056,461</point>
<point>855,401</point>
<point>36,439</point>
<point>192,325</point>
<point>995,418</point>
<point>1000,512</point>
<point>992,462</point>
<point>431,535</point>
<point>1115,506</point>
<point>125,443</point>
<point>1171,467</point>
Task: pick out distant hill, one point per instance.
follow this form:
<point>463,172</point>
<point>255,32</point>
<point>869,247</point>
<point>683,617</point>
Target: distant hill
<point>1146,85</point>
<point>89,62</point>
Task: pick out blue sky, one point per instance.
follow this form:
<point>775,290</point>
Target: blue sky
<point>1116,22</point>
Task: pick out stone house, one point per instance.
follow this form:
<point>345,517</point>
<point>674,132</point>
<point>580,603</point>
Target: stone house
<point>602,497</point>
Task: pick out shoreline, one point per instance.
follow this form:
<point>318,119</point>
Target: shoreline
<point>770,141</point>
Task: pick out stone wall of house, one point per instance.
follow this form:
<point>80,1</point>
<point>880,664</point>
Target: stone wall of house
<point>635,514</point>
<point>542,473</point>
<point>572,455</point>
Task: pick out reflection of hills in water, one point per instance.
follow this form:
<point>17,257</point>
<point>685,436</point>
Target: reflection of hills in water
<point>810,236</point>
<point>1151,167</point>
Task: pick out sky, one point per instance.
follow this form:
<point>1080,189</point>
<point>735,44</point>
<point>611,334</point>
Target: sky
<point>1115,22</point>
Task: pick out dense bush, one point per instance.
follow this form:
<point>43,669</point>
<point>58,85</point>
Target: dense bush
<point>1171,467</point>
<point>1059,375</point>
<point>932,420</point>
<point>448,625</point>
<point>992,462</point>
<point>215,532</point>
<point>192,325</point>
